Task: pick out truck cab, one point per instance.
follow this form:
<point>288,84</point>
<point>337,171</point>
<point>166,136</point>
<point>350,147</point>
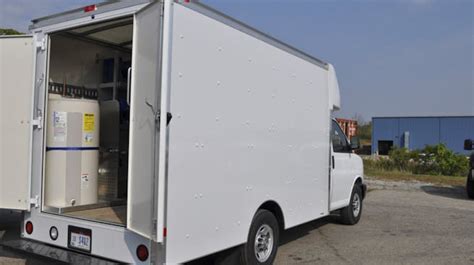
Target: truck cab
<point>347,171</point>
<point>469,145</point>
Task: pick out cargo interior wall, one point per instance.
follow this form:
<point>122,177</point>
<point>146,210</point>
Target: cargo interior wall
<point>87,122</point>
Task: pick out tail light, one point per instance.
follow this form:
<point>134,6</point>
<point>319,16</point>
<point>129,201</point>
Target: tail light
<point>142,252</point>
<point>90,8</point>
<point>29,227</point>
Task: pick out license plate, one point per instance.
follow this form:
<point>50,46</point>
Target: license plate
<point>80,238</point>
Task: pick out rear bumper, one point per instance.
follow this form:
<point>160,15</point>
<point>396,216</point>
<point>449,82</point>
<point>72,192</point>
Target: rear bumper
<point>109,242</point>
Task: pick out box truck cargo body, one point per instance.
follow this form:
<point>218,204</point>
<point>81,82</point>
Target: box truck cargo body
<point>164,131</point>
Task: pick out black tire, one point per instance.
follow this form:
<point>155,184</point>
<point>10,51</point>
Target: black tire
<point>470,186</point>
<point>349,215</point>
<point>261,219</point>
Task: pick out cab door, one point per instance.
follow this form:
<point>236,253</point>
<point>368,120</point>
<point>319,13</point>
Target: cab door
<point>342,173</point>
<point>144,131</point>
<point>16,99</point>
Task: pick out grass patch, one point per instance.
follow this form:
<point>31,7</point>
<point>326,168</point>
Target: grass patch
<point>406,176</point>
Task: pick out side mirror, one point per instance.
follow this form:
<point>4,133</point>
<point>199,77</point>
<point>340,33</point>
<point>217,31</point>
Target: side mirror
<point>468,144</point>
<point>355,143</point>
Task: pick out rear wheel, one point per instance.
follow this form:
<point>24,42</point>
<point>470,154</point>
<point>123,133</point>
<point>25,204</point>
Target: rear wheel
<point>263,239</point>
<point>470,186</point>
<point>350,215</point>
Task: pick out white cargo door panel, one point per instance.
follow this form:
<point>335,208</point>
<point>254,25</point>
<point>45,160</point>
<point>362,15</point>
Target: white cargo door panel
<point>16,73</point>
<point>144,103</point>
<point>250,125</point>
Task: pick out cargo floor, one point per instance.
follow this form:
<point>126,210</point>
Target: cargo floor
<point>113,214</point>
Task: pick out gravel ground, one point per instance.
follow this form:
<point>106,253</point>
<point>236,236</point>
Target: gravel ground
<point>402,223</point>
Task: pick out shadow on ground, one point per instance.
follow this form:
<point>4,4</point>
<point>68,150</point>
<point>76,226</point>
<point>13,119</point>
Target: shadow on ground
<point>297,232</point>
<point>231,256</point>
<point>454,192</point>
<point>10,225</point>
<point>10,222</point>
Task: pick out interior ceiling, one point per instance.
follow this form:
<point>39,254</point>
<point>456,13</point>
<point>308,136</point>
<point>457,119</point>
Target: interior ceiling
<point>116,32</point>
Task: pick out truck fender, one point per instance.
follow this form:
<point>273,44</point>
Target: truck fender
<point>359,180</point>
<point>275,209</point>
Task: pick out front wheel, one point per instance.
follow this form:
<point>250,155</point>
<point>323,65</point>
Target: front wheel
<point>263,239</point>
<point>470,186</point>
<point>350,215</point>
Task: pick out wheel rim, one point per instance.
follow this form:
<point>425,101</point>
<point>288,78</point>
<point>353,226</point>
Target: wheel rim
<point>356,205</point>
<point>263,243</point>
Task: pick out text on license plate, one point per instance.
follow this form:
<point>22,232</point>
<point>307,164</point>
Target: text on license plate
<point>80,241</point>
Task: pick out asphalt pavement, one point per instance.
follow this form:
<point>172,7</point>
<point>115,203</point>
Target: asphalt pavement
<point>402,223</point>
<point>418,225</point>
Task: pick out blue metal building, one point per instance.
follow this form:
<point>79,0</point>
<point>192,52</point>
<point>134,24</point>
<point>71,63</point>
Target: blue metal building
<point>416,132</point>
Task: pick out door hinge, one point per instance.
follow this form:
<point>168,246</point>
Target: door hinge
<point>154,232</point>
<point>35,201</point>
<point>41,44</point>
<point>38,122</point>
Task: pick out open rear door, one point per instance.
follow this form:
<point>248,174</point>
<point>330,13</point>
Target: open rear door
<point>144,133</point>
<point>16,73</point>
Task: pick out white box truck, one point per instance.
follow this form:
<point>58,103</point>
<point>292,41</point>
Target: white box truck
<point>158,132</point>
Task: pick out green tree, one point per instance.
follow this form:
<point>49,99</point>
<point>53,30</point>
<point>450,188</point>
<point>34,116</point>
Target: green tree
<point>439,160</point>
<point>4,31</point>
<point>364,131</point>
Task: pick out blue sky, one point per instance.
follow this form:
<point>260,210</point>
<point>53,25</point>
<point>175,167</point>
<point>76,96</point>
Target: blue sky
<point>393,57</point>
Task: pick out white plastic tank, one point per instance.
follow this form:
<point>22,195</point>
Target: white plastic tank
<point>72,151</point>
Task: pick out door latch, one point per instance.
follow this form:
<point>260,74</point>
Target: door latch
<point>157,114</point>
